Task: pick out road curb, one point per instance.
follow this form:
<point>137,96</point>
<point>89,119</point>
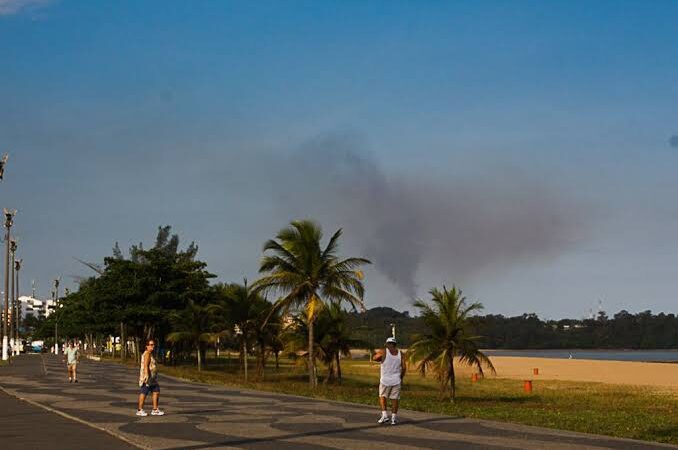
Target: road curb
<point>77,419</point>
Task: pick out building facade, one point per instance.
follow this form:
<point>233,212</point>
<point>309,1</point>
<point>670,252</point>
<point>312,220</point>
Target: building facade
<point>35,307</point>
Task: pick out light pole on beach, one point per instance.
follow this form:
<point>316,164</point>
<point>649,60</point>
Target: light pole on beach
<point>17,268</point>
<point>55,323</point>
<point>5,316</point>
<point>3,162</point>
<point>9,221</point>
<point>55,292</point>
<point>12,342</point>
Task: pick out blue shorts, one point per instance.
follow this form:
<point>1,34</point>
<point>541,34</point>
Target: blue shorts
<point>147,389</point>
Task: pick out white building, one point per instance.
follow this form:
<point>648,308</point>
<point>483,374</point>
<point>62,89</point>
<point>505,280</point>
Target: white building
<point>35,307</point>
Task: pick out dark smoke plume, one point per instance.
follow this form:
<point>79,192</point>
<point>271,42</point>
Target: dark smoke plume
<point>402,223</point>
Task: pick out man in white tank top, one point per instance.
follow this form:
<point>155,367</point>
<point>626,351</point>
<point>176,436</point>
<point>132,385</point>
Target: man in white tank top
<point>392,373</point>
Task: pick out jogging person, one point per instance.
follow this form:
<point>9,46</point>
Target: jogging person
<point>392,373</point>
<point>148,381</point>
<point>71,358</point>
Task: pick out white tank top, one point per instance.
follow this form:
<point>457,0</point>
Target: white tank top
<point>391,367</point>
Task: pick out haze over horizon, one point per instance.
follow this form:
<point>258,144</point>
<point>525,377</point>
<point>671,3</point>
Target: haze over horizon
<point>528,156</point>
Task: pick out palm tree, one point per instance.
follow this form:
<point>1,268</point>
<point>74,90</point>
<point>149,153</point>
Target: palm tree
<point>450,336</point>
<point>245,310</point>
<point>307,276</point>
<point>295,337</point>
<point>337,340</point>
<point>332,337</point>
<point>267,336</point>
<point>193,324</point>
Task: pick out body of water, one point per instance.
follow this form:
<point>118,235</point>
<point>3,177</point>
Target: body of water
<point>669,356</point>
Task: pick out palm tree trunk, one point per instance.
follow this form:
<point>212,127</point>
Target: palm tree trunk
<point>338,368</point>
<point>312,379</point>
<point>277,366</point>
<point>199,358</point>
<point>452,378</point>
<point>202,349</point>
<point>260,360</point>
<point>137,356</point>
<point>123,342</point>
<point>244,356</point>
<point>330,372</point>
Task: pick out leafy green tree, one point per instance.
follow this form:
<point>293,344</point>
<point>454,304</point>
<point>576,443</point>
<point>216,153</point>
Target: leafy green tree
<point>165,279</point>
<point>31,325</point>
<point>307,276</point>
<point>139,294</point>
<point>449,335</point>
<point>193,325</point>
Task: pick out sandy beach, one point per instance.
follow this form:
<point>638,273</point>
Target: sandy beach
<point>662,375</point>
<point>616,372</point>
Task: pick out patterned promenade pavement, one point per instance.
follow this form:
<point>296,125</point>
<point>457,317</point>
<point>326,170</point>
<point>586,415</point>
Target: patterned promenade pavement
<point>201,417</point>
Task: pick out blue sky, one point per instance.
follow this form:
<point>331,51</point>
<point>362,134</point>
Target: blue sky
<point>518,149</point>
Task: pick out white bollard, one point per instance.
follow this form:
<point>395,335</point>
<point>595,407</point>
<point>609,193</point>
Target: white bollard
<point>5,354</point>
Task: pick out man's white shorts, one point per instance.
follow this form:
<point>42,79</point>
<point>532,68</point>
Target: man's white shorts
<point>392,392</point>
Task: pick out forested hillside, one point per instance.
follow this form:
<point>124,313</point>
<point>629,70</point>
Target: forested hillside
<point>643,330</point>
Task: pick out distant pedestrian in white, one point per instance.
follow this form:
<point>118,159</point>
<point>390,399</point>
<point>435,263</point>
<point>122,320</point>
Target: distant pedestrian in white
<point>71,358</point>
<point>392,373</point>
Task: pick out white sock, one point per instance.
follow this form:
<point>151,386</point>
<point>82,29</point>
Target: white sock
<point>393,416</point>
<point>384,414</point>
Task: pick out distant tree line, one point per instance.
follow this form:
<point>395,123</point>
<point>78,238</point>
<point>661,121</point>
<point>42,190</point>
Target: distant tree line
<point>643,330</point>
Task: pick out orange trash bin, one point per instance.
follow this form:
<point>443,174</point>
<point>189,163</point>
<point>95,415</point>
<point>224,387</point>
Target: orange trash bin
<point>527,386</point>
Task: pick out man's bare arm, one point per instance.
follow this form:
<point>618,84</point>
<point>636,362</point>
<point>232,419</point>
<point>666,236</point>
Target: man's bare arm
<point>378,356</point>
<point>147,363</point>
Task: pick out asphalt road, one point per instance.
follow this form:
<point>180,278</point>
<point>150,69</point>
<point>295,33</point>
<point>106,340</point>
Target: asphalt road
<point>205,417</point>
<point>25,426</point>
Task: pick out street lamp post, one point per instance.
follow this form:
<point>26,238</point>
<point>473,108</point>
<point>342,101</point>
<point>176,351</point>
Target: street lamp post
<point>12,331</point>
<point>3,162</point>
<point>56,317</point>
<point>17,268</point>
<point>56,324</point>
<point>9,221</point>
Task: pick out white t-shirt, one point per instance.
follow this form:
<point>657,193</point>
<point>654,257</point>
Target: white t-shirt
<point>71,354</point>
<point>391,367</point>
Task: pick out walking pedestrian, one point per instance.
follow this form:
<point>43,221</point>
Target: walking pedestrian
<point>71,358</point>
<point>148,381</point>
<point>392,373</point>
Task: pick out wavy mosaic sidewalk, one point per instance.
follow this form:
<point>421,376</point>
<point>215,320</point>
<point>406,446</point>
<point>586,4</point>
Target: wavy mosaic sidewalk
<point>207,417</point>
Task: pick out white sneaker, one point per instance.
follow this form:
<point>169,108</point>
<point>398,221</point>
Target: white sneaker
<point>393,420</point>
<point>141,413</point>
<point>157,412</point>
<point>383,419</point>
